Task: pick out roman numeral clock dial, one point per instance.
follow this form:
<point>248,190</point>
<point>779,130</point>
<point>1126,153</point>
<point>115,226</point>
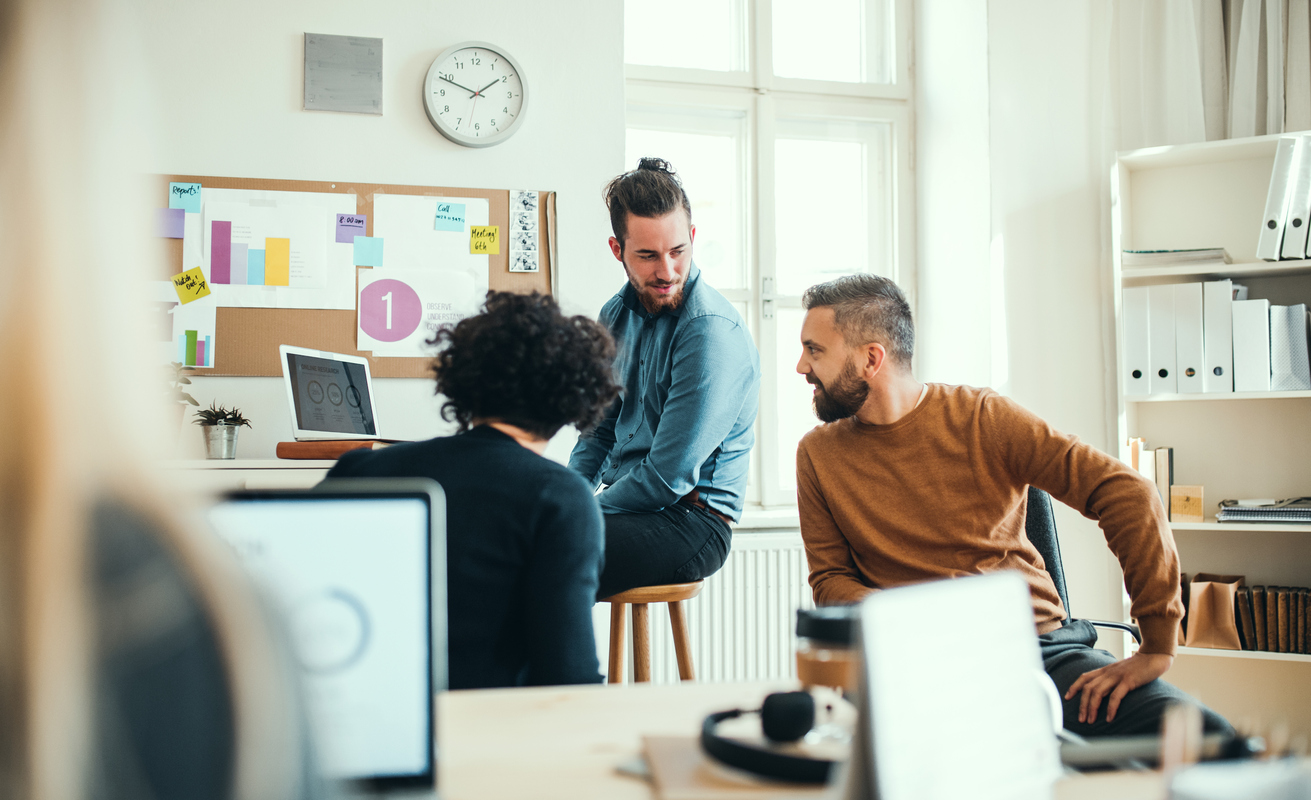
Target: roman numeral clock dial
<point>475,94</point>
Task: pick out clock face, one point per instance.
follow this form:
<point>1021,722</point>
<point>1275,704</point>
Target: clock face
<point>474,95</point>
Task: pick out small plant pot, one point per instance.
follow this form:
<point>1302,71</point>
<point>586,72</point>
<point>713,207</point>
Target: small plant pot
<point>220,440</point>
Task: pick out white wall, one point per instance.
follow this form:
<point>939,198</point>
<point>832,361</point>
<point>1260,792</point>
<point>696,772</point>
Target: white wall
<point>1012,114</point>
<point>229,83</point>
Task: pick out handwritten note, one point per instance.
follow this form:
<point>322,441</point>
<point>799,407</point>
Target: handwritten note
<point>485,240</point>
<point>450,217</point>
<point>185,196</point>
<point>190,285</point>
<point>349,226</point>
<point>368,251</point>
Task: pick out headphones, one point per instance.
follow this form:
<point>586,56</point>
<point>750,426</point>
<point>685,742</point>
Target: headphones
<point>784,717</point>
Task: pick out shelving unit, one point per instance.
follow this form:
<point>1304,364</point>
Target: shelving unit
<point>1235,445</point>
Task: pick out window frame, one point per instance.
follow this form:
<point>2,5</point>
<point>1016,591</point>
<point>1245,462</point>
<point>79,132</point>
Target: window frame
<point>765,98</point>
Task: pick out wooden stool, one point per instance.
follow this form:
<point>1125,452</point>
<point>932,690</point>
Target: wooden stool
<point>674,594</point>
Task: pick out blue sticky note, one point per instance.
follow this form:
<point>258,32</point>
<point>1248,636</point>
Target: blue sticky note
<point>450,217</point>
<point>255,267</point>
<point>368,251</point>
<point>185,196</point>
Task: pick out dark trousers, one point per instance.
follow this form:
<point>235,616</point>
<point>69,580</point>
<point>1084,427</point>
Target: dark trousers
<point>1068,652</point>
<point>678,544</point>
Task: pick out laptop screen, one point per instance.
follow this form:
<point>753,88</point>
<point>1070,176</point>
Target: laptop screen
<point>330,396</point>
<point>352,575</point>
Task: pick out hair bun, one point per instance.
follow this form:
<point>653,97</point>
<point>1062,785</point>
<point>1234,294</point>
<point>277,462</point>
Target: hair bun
<point>655,165</point>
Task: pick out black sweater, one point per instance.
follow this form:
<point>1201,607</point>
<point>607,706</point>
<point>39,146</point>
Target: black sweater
<point>524,550</point>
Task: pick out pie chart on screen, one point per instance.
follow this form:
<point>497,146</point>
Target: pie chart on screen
<point>331,631</point>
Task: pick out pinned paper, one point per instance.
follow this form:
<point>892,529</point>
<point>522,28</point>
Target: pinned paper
<point>485,240</point>
<point>170,223</point>
<point>185,196</point>
<point>277,262</point>
<point>450,217</point>
<point>190,285</point>
<point>349,226</point>
<point>368,251</point>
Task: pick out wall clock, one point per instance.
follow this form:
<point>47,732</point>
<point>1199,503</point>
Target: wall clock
<point>475,94</point>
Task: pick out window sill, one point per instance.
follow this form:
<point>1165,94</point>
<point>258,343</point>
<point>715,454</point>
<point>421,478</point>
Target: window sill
<point>768,519</point>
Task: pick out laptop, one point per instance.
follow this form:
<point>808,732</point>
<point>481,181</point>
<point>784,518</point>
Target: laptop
<point>358,569</point>
<point>330,394</point>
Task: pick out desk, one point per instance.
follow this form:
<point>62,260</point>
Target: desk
<point>565,742</point>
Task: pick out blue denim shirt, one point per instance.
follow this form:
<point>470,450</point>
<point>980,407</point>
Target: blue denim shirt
<point>686,417</point>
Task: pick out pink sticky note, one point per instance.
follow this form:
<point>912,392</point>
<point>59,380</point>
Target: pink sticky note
<point>349,226</point>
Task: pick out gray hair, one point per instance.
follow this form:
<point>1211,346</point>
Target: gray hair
<point>867,308</point>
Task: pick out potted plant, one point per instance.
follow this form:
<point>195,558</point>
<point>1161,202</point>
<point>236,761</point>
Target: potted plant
<point>177,376</point>
<point>220,426</point>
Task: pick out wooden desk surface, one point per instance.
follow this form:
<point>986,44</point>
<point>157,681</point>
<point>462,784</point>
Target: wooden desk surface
<point>565,742</point>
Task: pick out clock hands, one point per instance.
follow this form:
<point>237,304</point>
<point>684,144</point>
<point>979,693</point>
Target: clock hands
<point>485,88</point>
<point>466,88</point>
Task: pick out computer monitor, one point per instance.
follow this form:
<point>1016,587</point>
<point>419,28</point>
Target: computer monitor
<point>358,569</point>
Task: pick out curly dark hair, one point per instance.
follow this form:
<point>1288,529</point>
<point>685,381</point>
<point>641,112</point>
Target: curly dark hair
<point>524,363</point>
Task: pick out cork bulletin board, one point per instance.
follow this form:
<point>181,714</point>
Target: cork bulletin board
<point>250,336</point>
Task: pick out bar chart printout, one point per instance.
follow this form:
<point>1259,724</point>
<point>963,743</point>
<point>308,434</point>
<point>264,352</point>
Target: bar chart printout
<point>195,350</point>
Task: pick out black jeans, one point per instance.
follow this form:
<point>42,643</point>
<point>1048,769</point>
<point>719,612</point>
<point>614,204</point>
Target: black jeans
<point>1068,653</point>
<point>677,544</point>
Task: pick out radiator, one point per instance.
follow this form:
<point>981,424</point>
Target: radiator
<point>743,624</point>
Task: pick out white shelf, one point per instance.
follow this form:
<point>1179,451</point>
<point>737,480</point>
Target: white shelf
<point>1239,527</point>
<point>1255,655</point>
<point>1193,398</point>
<point>1201,272</point>
<point>250,463</point>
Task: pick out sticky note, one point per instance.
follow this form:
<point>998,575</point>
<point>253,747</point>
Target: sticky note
<point>277,262</point>
<point>349,226</point>
<point>450,217</point>
<point>485,240</point>
<point>190,285</point>
<point>368,251</point>
<point>185,196</point>
<point>255,267</point>
<point>169,223</point>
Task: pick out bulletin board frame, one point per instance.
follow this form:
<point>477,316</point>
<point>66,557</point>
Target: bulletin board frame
<point>248,338</point>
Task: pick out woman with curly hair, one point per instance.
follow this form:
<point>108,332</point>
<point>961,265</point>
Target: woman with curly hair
<point>524,536</point>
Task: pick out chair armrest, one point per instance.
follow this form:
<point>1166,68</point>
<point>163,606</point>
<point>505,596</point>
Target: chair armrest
<point>1132,630</point>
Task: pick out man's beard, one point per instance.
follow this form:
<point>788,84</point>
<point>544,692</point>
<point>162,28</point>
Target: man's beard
<point>841,400</point>
<point>653,302</point>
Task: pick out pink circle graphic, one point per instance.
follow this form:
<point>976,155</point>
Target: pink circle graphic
<point>389,310</point>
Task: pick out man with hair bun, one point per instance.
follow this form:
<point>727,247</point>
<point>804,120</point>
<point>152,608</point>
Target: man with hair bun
<point>673,450</point>
<point>910,482</point>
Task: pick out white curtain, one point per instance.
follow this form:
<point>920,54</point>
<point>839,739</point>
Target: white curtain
<point>1195,70</point>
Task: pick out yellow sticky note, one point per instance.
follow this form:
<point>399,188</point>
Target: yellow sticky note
<point>277,262</point>
<point>485,240</point>
<point>190,285</point>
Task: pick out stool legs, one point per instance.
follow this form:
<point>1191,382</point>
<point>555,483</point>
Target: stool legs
<point>641,644</point>
<point>682,642</point>
<point>617,620</point>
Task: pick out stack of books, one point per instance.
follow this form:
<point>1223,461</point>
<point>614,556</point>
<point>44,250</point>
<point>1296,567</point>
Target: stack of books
<point>1274,618</point>
<point>1296,510</point>
<point>1174,258</point>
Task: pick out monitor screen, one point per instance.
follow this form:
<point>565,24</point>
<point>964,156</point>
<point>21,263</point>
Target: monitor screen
<point>330,396</point>
<point>352,577</point>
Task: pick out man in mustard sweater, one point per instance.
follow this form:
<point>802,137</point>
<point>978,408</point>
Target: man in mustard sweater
<point>910,482</point>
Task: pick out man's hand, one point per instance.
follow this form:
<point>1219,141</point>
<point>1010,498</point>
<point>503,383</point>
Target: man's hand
<point>1116,680</point>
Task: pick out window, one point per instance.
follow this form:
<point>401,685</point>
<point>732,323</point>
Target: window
<point>789,123</point>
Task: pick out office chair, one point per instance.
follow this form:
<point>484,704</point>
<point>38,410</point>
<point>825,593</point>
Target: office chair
<point>1040,526</point>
